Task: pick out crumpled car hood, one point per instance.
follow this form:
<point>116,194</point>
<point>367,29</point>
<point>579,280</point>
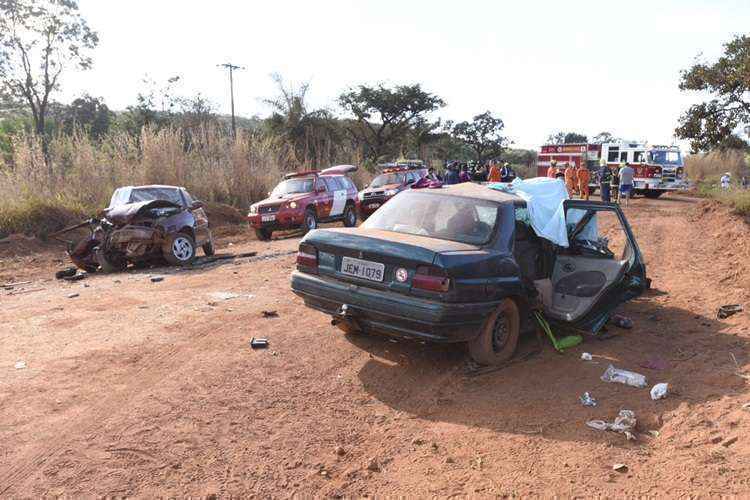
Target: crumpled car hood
<point>124,214</point>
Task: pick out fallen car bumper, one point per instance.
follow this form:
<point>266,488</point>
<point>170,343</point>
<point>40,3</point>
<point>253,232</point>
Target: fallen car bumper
<point>392,313</point>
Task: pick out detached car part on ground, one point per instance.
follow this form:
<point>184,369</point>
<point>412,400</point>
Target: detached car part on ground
<point>462,264</point>
<point>142,224</point>
<point>304,200</point>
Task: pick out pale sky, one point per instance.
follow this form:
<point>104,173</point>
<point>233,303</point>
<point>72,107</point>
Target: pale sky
<point>541,65</point>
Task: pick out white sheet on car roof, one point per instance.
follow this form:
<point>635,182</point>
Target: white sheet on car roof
<point>544,200</point>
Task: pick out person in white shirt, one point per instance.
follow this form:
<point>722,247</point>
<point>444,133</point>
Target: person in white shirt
<point>726,179</point>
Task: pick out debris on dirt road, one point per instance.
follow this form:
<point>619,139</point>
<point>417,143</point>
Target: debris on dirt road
<point>585,356</point>
<point>626,377</point>
<point>270,314</point>
<point>73,295</point>
<point>728,310</point>
<point>66,273</point>
<point>587,400</point>
<point>624,423</point>
<point>622,322</point>
<point>620,468</point>
<point>20,365</point>
<point>259,343</point>
<point>659,391</point>
<point>157,279</point>
<point>10,286</point>
<point>76,277</point>
<point>223,295</point>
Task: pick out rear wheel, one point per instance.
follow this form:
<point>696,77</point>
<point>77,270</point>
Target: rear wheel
<point>652,194</point>
<point>179,249</point>
<point>497,341</point>
<point>263,234</point>
<point>311,220</point>
<point>350,216</point>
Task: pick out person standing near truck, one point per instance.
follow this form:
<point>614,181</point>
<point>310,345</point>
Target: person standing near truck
<point>584,177</point>
<point>626,182</point>
<point>552,170</point>
<point>494,173</point>
<point>605,179</point>
<point>614,185</point>
<point>571,179</point>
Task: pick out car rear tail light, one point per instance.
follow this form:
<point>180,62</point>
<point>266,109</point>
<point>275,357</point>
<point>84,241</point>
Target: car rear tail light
<point>431,278</point>
<point>307,256</point>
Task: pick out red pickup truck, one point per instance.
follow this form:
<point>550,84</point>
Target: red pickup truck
<point>305,199</point>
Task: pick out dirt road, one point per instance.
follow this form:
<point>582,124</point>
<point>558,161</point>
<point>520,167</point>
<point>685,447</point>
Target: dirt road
<point>134,388</point>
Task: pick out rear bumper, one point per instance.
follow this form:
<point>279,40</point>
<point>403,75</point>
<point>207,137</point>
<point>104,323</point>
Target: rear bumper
<point>393,313</point>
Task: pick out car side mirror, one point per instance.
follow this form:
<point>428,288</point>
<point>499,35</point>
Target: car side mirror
<point>196,205</point>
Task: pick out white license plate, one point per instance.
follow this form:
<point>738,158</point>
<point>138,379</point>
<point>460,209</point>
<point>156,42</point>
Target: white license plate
<point>364,269</point>
<point>373,205</point>
<point>267,218</point>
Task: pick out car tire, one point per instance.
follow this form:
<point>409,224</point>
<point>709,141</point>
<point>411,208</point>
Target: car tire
<point>263,234</point>
<point>350,216</point>
<point>311,220</point>
<point>179,249</point>
<point>498,339</point>
<point>208,249</point>
<point>110,263</point>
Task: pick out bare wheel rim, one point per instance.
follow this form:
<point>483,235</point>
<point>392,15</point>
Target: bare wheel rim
<point>182,249</point>
<point>350,216</point>
<point>311,221</point>
<point>500,333</point>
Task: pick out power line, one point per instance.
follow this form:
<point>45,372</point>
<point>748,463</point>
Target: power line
<point>231,67</point>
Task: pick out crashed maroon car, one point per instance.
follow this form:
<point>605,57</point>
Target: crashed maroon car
<point>304,200</point>
<point>388,184</point>
<point>142,224</point>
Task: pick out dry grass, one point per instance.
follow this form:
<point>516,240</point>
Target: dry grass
<point>702,167</point>
<point>82,173</point>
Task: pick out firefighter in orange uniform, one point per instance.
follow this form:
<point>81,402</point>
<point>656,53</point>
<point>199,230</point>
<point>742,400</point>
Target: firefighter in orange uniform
<point>552,170</point>
<point>571,180</point>
<point>584,176</point>
<point>494,173</point>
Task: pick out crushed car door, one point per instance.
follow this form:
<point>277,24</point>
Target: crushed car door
<point>602,268</point>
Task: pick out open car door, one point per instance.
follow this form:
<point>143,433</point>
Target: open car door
<point>602,268</point>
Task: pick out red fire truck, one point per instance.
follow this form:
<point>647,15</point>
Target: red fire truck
<point>658,169</point>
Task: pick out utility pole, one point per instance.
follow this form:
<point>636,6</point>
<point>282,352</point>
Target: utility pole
<point>231,67</point>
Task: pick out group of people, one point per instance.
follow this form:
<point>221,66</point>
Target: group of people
<point>615,183</point>
<point>493,171</point>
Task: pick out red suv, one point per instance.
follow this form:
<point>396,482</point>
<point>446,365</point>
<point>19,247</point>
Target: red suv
<point>305,199</point>
<point>385,186</point>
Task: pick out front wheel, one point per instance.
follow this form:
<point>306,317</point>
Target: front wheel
<point>263,234</point>
<point>498,339</point>
<point>112,263</point>
<point>350,216</point>
<point>179,249</point>
<point>311,220</point>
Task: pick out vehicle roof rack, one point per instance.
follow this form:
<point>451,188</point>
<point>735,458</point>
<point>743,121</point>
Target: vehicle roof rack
<point>301,174</point>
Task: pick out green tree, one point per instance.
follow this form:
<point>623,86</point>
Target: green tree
<point>483,135</point>
<point>709,124</point>
<point>603,137</point>
<point>89,113</point>
<point>567,138</point>
<point>384,116</point>
<point>39,39</point>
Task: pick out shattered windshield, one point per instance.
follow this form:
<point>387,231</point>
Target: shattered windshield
<point>127,195</point>
<point>385,179</point>
<point>672,158</point>
<point>292,186</point>
<point>466,220</point>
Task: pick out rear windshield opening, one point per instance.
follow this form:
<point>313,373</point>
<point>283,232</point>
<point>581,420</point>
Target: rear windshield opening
<point>454,218</point>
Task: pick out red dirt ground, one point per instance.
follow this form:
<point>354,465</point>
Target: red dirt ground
<point>136,388</point>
